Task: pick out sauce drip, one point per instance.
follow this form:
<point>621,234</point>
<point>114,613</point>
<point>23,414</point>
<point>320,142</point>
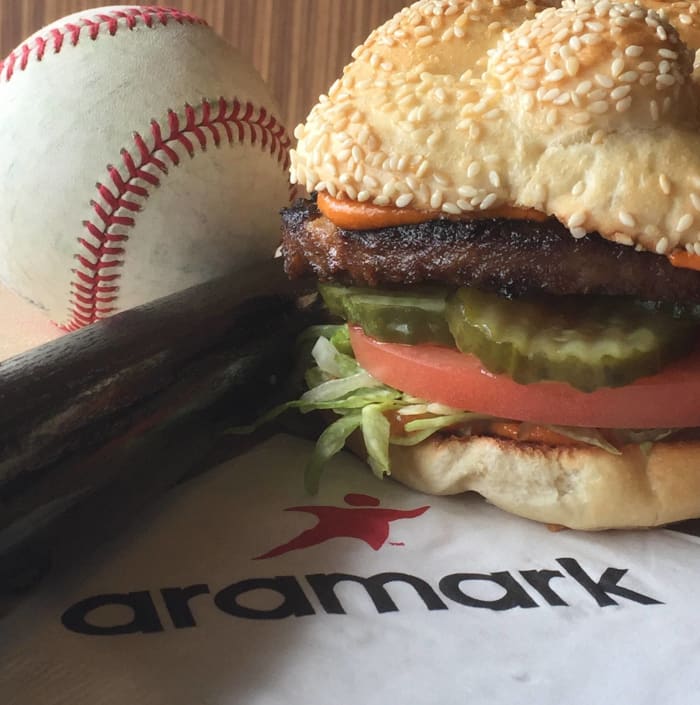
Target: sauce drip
<point>352,215</point>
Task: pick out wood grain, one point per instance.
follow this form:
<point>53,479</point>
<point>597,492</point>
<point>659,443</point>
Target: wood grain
<point>299,46</point>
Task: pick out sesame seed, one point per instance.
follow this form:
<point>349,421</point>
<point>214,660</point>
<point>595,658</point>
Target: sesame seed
<point>403,200</point>
<point>422,170</point>
<point>578,233</point>
<point>488,201</point>
<point>583,87</point>
<point>451,208</point>
<point>664,66</point>
<point>425,41</point>
<point>572,66</point>
<point>494,179</point>
<point>620,92</point>
<point>625,240</point>
<point>467,191</point>
<point>473,169</point>
<point>662,246</point>
<point>665,184</point>
<point>623,105</point>
<point>634,50</point>
<point>553,76</point>
<point>575,43</point>
<point>626,219</point>
<point>598,94</point>
<point>685,19</point>
<point>582,118</point>
<point>684,223</point>
<point>647,66</point>
<point>578,189</point>
<point>617,67</point>
<point>668,54</point>
<point>363,196</point>
<point>696,248</point>
<point>661,33</point>
<point>436,199</point>
<point>695,200</point>
<point>665,79</point>
<point>464,205</point>
<point>603,80</point>
<point>381,201</point>
<point>654,110</point>
<point>598,137</point>
<point>629,76</point>
<point>577,219</point>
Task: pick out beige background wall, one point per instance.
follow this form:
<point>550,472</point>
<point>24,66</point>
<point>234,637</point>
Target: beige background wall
<point>299,46</point>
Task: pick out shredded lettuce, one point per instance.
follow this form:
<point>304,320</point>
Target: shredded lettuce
<point>337,383</point>
<point>330,442</point>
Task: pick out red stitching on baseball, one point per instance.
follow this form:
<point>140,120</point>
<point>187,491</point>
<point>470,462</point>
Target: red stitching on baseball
<point>150,15</point>
<point>95,283</point>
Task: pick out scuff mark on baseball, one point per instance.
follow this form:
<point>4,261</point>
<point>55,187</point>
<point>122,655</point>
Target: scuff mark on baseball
<point>140,154</point>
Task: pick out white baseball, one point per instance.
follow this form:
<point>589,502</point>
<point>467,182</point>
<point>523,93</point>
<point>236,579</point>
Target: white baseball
<point>139,154</point>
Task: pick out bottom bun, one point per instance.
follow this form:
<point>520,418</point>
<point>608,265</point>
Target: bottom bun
<point>579,487</point>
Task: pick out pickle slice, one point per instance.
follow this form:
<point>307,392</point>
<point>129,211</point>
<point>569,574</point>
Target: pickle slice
<point>410,316</point>
<point>588,343</point>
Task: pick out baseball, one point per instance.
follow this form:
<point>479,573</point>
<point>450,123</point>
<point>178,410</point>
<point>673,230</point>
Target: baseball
<point>140,155</point>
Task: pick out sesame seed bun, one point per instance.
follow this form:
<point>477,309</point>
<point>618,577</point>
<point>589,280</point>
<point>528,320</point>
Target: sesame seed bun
<point>579,487</point>
<point>587,112</point>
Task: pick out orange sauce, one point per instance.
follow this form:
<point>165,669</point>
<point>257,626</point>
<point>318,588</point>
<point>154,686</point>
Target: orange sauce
<point>535,434</point>
<point>352,215</point>
<point>684,260</point>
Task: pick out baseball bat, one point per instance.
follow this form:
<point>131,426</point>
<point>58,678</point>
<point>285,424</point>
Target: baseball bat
<point>96,424</point>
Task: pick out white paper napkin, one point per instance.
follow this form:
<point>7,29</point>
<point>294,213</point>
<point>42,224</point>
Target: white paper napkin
<point>373,594</point>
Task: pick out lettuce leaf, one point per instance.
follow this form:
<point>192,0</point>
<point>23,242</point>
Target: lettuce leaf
<point>337,383</point>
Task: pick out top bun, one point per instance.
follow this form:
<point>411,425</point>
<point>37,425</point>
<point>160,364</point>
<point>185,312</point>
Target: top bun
<point>587,112</point>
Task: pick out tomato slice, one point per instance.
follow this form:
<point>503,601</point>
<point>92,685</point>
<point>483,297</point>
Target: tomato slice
<point>669,399</point>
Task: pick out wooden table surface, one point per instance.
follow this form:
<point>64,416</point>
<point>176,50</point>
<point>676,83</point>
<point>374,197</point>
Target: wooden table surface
<point>299,46</point>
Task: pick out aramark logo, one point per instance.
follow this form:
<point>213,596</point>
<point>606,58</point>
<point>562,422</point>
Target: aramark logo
<point>315,593</point>
<point>279,597</point>
<point>363,519</point>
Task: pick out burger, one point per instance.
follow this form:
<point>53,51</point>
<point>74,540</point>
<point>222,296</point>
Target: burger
<point>505,212</point>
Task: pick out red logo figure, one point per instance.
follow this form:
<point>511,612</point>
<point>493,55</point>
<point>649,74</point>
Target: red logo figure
<point>364,521</point>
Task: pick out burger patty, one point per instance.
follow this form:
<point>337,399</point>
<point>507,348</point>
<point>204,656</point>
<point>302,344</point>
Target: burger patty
<point>512,257</point>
